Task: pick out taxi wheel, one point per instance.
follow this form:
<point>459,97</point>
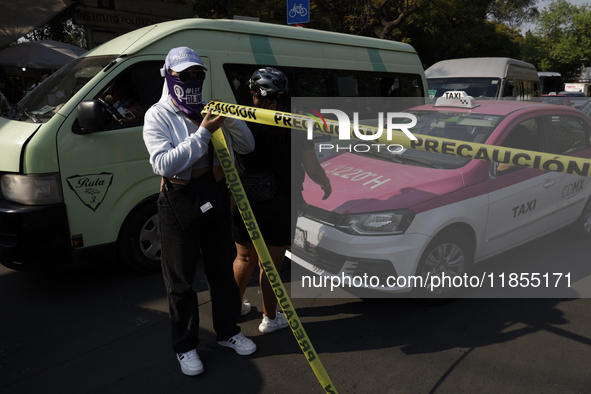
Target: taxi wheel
<point>450,253</point>
<point>581,228</point>
<point>138,245</point>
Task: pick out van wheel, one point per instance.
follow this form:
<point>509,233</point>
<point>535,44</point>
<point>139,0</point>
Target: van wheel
<point>450,253</point>
<point>581,228</point>
<point>138,244</point>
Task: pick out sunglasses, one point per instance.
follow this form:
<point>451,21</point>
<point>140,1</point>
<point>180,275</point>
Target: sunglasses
<point>185,76</point>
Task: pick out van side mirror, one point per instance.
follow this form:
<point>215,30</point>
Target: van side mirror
<point>90,117</point>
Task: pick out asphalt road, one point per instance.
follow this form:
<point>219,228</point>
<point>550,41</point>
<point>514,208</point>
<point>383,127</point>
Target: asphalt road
<point>106,330</point>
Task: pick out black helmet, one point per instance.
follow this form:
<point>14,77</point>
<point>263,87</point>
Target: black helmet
<point>269,82</point>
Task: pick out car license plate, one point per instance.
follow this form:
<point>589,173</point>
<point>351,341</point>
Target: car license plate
<point>300,238</point>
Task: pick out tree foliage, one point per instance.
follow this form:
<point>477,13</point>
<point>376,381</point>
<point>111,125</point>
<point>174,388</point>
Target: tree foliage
<point>562,40</point>
<point>266,10</point>
<point>437,29</point>
<point>446,29</point>
<point>60,28</point>
<point>513,13</point>
<point>377,18</point>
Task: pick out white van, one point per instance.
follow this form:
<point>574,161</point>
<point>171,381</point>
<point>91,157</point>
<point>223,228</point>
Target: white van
<point>550,82</point>
<point>76,185</point>
<point>484,77</point>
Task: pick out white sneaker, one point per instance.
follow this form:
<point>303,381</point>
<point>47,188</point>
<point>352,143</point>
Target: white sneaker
<point>190,363</point>
<point>241,344</point>
<point>268,325</point>
<point>246,307</point>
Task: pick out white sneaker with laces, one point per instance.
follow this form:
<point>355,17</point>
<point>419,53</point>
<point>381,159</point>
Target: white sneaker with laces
<point>246,307</point>
<point>268,325</point>
<point>190,363</point>
<point>241,344</point>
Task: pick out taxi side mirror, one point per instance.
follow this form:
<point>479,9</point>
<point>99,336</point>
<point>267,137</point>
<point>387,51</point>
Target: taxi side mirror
<point>90,117</point>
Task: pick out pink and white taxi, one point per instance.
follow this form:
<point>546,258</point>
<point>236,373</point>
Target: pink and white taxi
<point>407,212</point>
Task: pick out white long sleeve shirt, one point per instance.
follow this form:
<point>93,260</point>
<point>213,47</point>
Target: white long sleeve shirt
<point>177,146</point>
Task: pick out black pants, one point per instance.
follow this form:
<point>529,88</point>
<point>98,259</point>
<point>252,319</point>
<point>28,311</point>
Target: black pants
<point>181,250</point>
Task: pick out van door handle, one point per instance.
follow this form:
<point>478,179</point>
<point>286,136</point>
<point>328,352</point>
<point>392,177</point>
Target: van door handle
<point>549,183</point>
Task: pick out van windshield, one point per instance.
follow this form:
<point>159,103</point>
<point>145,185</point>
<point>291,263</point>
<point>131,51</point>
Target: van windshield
<point>475,87</point>
<point>551,83</point>
<point>47,99</point>
<point>467,127</point>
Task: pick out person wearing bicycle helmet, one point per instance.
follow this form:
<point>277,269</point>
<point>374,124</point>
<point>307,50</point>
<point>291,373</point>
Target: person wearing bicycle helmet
<point>273,155</point>
<point>268,83</point>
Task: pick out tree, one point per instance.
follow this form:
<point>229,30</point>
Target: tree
<point>373,18</point>
<point>441,28</point>
<point>266,10</point>
<point>60,28</point>
<point>513,12</point>
<point>445,29</point>
<point>562,40</point>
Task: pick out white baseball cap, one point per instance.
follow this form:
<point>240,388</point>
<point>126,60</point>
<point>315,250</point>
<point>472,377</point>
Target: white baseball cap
<point>181,58</point>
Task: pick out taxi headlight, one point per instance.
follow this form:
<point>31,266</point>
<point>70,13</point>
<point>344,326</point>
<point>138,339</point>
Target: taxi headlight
<point>32,189</point>
<point>377,223</point>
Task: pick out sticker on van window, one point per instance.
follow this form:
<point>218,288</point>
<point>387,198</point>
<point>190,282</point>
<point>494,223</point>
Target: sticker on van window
<point>91,189</point>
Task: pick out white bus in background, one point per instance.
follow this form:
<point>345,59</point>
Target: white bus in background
<point>551,82</point>
<point>482,77</point>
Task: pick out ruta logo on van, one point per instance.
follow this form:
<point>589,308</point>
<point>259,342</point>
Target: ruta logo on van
<point>91,189</point>
<point>394,121</point>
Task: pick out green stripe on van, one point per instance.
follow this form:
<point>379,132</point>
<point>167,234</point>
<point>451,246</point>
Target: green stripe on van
<point>376,59</point>
<point>261,49</point>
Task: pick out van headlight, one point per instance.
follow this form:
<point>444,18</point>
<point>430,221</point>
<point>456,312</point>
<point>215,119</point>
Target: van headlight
<point>32,189</point>
<point>377,223</point>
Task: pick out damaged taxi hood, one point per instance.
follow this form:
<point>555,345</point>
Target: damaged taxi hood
<point>361,184</point>
<point>14,135</point>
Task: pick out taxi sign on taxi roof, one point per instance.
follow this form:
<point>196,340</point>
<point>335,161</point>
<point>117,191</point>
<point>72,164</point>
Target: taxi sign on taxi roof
<point>458,99</point>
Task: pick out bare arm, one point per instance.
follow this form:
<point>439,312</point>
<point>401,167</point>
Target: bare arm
<point>316,172</point>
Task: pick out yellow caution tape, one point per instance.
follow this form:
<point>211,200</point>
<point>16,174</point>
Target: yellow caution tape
<point>250,222</point>
<point>519,157</point>
<point>471,150</point>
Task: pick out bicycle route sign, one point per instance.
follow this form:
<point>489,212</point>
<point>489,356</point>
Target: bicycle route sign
<point>298,11</point>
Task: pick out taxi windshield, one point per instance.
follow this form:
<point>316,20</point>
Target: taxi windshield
<point>467,127</point>
<point>476,87</point>
<point>47,99</point>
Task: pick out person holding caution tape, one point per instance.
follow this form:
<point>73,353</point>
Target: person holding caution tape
<point>193,207</point>
<point>272,160</point>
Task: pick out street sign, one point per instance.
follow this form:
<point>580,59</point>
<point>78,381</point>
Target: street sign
<point>298,11</point>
